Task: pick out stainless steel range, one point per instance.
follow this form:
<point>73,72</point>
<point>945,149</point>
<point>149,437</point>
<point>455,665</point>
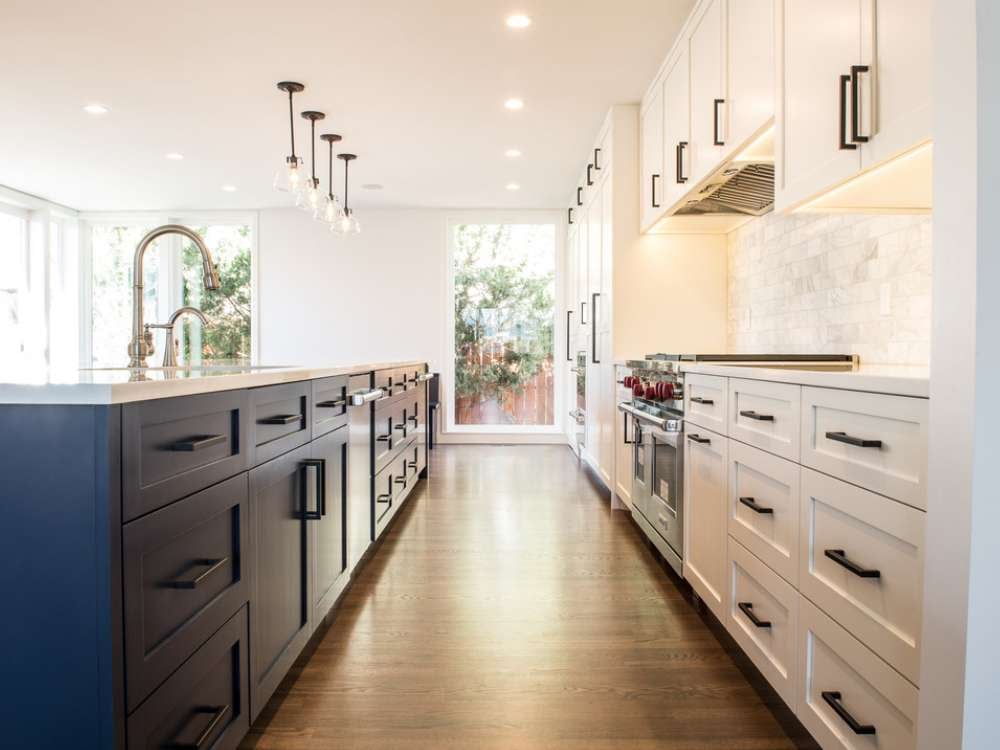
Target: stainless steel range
<point>654,427</point>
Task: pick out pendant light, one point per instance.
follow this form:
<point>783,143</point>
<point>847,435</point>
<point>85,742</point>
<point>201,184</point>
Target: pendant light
<point>348,223</point>
<point>331,210</point>
<point>288,179</point>
<point>310,197</point>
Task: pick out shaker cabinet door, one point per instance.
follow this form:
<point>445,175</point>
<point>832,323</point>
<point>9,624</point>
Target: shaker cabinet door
<point>705,497</point>
<point>327,538</point>
<point>708,90</point>
<point>652,175</point>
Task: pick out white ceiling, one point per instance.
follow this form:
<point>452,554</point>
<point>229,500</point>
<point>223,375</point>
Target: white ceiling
<point>415,88</point>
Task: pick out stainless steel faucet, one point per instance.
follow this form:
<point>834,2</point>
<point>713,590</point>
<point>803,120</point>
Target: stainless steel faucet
<point>142,338</point>
<point>169,355</point>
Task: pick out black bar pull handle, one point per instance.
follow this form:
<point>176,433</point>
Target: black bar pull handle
<point>340,402</point>
<point>759,417</point>
<point>716,141</point>
<point>843,437</point>
<point>320,465</point>
<point>845,81</point>
<point>197,443</point>
<point>700,400</point>
<point>841,558</point>
<point>625,429</point>
<point>593,328</point>
<point>415,419</point>
<point>583,313</point>
<point>751,503</point>
<point>597,159</point>
<point>747,609</point>
<point>579,196</point>
<point>699,439</point>
<point>400,481</point>
<point>569,315</point>
<point>570,216</point>
<point>217,713</point>
<point>856,137</point>
<point>590,175</point>
<point>655,177</point>
<point>833,698</point>
<point>383,499</point>
<point>210,566</point>
<point>281,419</point>
<point>681,179</point>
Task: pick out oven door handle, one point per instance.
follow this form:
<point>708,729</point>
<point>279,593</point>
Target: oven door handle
<point>643,416</point>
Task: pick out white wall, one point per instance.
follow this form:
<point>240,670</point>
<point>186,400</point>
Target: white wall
<point>375,297</point>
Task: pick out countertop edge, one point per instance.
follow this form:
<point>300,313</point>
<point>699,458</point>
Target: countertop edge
<point>913,382</point>
<point>111,393</point>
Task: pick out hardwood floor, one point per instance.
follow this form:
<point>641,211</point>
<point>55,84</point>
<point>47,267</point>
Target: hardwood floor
<point>510,608</point>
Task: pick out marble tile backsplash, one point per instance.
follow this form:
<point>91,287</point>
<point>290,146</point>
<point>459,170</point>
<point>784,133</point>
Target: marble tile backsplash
<point>833,283</point>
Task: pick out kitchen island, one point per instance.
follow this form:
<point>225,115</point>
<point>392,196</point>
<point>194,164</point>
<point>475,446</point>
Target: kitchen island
<point>174,538</point>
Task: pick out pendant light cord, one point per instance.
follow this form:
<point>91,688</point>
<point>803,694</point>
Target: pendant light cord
<point>347,166</point>
<point>291,121</point>
<point>313,152</point>
<point>329,179</point>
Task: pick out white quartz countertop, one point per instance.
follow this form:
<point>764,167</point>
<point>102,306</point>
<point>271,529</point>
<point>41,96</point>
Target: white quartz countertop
<point>121,385</point>
<point>900,380</point>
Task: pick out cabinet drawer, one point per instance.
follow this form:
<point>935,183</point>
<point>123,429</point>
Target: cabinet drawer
<point>204,703</point>
<point>279,419</point>
<point>329,404</point>
<point>183,575</point>
<point>175,446</point>
<point>705,401</point>
<point>862,563</point>
<point>390,488</point>
<point>766,415</point>
<point>764,507</point>
<point>836,671</point>
<point>875,441</point>
<point>763,618</point>
<point>391,430</point>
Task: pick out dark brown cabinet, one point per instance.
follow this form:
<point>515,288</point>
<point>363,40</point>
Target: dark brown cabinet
<point>326,528</point>
<point>280,419</point>
<point>279,612</point>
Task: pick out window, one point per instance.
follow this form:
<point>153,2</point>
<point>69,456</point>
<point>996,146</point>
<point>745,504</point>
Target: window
<point>503,293</point>
<point>172,275</point>
<point>14,302</point>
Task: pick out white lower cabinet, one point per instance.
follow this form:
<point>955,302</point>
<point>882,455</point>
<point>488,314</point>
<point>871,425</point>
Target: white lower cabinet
<point>848,698</point>
<point>705,471</point>
<point>763,618</point>
<point>862,561</point>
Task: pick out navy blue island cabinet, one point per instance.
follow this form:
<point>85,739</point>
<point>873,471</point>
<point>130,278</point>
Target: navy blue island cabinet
<point>167,560</point>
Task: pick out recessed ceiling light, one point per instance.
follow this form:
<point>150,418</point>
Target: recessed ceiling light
<point>371,186</point>
<point>518,21</point>
<point>513,186</point>
<point>95,109</point>
<point>514,104</point>
<point>174,156</point>
<point>512,153</point>
<point>229,188</point>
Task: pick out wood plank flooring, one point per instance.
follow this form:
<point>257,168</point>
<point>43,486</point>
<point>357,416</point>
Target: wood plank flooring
<point>510,608</point>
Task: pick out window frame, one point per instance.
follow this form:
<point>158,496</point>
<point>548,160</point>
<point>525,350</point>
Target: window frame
<point>170,273</point>
<point>527,433</point>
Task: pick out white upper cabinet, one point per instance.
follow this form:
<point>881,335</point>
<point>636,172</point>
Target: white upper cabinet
<point>855,80</point>
<point>708,90</point>
<point>651,173</point>
<point>750,69</point>
<point>676,131</point>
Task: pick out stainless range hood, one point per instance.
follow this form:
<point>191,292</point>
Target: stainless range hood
<point>743,185</point>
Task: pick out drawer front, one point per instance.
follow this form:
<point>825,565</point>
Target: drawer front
<point>766,415</point>
<point>204,703</point>
<point>175,446</point>
<point>184,576</point>
<point>329,404</point>
<point>391,430</point>
<point>705,399</point>
<point>836,671</point>
<point>390,489</point>
<point>280,417</point>
<point>763,619</point>
<point>764,507</point>
<point>877,442</point>
<point>862,563</point>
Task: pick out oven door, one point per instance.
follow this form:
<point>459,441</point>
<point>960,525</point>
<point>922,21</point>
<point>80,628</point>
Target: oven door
<point>665,507</point>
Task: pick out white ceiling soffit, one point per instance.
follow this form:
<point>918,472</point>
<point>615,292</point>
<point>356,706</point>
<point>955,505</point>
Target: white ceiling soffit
<point>415,88</point>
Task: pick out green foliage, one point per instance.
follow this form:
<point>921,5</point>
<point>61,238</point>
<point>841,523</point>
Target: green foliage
<point>503,311</point>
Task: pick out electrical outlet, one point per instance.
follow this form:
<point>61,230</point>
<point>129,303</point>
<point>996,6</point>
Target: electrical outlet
<point>885,299</point>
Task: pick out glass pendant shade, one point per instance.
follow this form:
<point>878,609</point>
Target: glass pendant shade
<point>347,224</point>
<point>310,198</point>
<point>331,211</point>
<point>291,178</point>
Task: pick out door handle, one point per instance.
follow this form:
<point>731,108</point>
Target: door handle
<point>197,443</point>
<point>856,71</point>
<point>845,81</point>
<point>832,698</point>
<point>597,159</point>
<point>579,196</point>
<point>590,176</point>
<point>281,419</point>
<point>699,439</point>
<point>217,712</point>
<point>570,216</point>
<point>625,428</point>
<point>192,583</point>
<point>758,417</point>
<point>359,399</point>
<point>681,179</point>
<point>320,465</point>
<point>843,437</point>
<point>752,505</point>
<point>653,191</point>
<point>332,404</point>
<point>593,328</point>
<point>747,609</point>
<point>569,315</point>
<point>716,141</point>
<point>841,558</point>
<point>703,401</point>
